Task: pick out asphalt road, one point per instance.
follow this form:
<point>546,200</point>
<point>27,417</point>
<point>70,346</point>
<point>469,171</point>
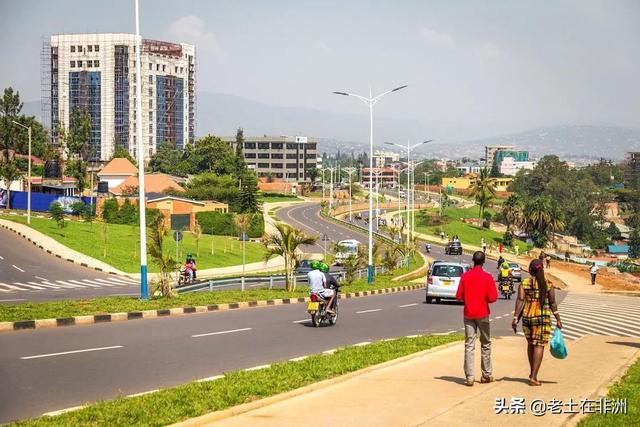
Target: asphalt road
<point>27,273</point>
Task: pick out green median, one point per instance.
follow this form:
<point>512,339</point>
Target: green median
<point>123,245</point>
<point>120,304</point>
<point>628,388</point>
<point>198,398</point>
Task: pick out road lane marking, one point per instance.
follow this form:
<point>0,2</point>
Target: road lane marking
<point>11,287</point>
<point>143,393</point>
<point>17,268</point>
<point>257,368</point>
<point>213,378</point>
<point>38,356</point>
<point>298,359</point>
<point>333,350</point>
<point>301,321</point>
<point>73,285</point>
<point>62,411</point>
<point>28,286</point>
<point>1,257</point>
<point>41,278</point>
<point>45,285</point>
<point>368,311</point>
<point>10,300</point>
<point>408,305</point>
<point>220,332</point>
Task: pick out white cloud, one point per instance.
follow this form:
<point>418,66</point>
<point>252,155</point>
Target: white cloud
<point>436,38</point>
<point>191,29</point>
<point>488,50</point>
<point>322,46</point>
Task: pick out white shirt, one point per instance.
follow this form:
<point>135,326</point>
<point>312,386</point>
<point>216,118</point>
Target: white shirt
<point>594,269</point>
<point>316,281</point>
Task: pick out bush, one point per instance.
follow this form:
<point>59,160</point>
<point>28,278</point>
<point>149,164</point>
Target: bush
<point>222,224</point>
<point>256,228</point>
<point>127,214</point>
<point>507,239</point>
<point>110,211</point>
<point>57,214</point>
<point>77,208</point>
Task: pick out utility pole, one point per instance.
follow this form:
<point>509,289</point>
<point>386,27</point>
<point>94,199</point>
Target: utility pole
<point>350,170</point>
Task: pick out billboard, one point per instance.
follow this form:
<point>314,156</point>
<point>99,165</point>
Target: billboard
<point>301,139</point>
<point>161,48</point>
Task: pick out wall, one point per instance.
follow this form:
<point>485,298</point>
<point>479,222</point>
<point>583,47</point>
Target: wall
<point>40,201</point>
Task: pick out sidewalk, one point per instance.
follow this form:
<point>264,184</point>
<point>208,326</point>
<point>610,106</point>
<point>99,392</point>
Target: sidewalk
<point>429,390</point>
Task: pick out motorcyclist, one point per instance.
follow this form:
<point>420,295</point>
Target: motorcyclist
<point>318,284</point>
<point>190,266</point>
<point>500,261</point>
<point>332,283</point>
<point>428,247</point>
<point>505,272</point>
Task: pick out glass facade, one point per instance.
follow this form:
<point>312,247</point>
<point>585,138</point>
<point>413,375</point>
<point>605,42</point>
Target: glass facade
<point>84,93</point>
<point>169,110</point>
<point>121,83</point>
<point>518,156</point>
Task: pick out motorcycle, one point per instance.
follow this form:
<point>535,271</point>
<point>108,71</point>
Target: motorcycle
<point>184,278</point>
<point>317,308</point>
<point>506,287</point>
<point>428,248</point>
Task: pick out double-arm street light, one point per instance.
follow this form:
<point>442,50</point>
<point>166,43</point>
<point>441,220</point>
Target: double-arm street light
<point>370,101</point>
<point>331,170</point>
<point>350,171</point>
<point>28,128</point>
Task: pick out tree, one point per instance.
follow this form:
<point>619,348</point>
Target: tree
<point>10,107</point>
<point>634,244</point>
<point>239,160</point>
<point>613,231</point>
<point>512,210</point>
<point>537,218</point>
<point>312,173</point>
<point>165,262</point>
<point>166,159</point>
<point>76,141</point>
<point>285,243</point>
<point>9,173</point>
<point>57,214</point>
<point>248,200</point>
<point>212,154</point>
<point>197,235</point>
<point>495,172</point>
<point>483,190</point>
<point>122,153</point>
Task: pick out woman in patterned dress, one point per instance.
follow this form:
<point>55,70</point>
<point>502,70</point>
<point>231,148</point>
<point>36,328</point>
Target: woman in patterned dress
<point>535,303</point>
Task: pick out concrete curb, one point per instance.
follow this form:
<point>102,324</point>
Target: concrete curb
<point>150,314</point>
<point>251,406</point>
<point>83,264</point>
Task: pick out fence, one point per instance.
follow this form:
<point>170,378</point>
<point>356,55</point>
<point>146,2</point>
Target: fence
<point>40,202</point>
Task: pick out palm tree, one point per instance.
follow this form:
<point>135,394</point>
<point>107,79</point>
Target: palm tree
<point>513,212</point>
<point>483,190</point>
<point>285,243</point>
<point>556,220</point>
<point>538,219</point>
<point>166,263</point>
<point>243,221</point>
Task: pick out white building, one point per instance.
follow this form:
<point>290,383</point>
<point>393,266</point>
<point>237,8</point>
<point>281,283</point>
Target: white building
<point>510,167</point>
<point>491,150</point>
<point>382,159</point>
<point>467,168</point>
<point>96,73</point>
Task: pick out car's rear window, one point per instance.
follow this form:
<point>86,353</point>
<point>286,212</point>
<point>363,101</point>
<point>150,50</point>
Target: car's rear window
<point>447,271</point>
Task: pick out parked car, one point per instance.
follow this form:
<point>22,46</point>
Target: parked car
<point>443,279</point>
<point>516,271</point>
<point>304,267</point>
<point>453,248</point>
<point>382,222</point>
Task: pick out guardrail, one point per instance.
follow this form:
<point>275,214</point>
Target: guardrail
<point>256,281</point>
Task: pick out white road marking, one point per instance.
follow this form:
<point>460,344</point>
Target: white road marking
<point>1,257</point>
<point>143,393</point>
<point>88,282</point>
<point>220,332</point>
<point>408,305</point>
<point>215,377</point>
<point>301,321</point>
<point>11,287</point>
<point>41,278</point>
<point>333,350</point>
<point>62,411</point>
<point>48,285</point>
<point>362,344</point>
<point>368,311</point>
<point>257,368</point>
<point>71,352</point>
<point>298,359</point>
<point>28,286</point>
<point>73,285</point>
<point>10,300</point>
<point>17,268</point>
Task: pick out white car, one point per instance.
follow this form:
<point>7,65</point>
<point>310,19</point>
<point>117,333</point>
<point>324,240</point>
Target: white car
<point>346,248</point>
<point>443,279</point>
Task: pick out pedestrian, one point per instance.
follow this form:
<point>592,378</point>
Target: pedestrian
<point>535,303</point>
<point>567,256</point>
<point>500,248</point>
<point>547,261</point>
<point>483,243</point>
<point>594,271</point>
<point>442,235</point>
<point>516,248</point>
<point>477,290</point>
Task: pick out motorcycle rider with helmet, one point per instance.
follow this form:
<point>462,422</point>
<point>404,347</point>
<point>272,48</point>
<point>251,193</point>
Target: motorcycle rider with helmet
<point>332,283</point>
<point>319,285</point>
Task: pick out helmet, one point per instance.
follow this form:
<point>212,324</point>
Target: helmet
<point>314,264</point>
<point>189,254</point>
<point>505,265</point>
<point>323,267</point>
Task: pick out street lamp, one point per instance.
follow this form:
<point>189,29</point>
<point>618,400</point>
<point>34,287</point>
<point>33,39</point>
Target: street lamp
<point>28,128</point>
<point>330,169</point>
<point>350,171</point>
<point>370,101</point>
<point>426,184</point>
<point>377,173</point>
<point>144,290</point>
<point>408,148</point>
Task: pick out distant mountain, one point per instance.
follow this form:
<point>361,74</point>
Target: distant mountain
<point>221,114</point>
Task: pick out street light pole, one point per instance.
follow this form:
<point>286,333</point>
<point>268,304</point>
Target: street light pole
<point>350,170</point>
<point>144,290</point>
<point>370,101</point>
<point>28,128</point>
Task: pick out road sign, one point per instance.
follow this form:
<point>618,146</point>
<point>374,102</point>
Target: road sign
<point>325,238</point>
<point>177,236</point>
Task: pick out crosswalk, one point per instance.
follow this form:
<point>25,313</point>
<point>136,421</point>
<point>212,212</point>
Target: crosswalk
<point>614,315</point>
<point>49,285</point>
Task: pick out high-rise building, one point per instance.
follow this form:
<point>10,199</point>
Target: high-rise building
<point>382,159</point>
<point>282,157</point>
<point>632,172</point>
<point>491,150</point>
<point>96,73</point>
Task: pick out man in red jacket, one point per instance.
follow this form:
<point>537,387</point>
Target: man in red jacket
<point>477,290</point>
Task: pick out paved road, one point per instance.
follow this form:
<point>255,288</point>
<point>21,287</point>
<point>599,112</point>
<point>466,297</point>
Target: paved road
<point>27,273</point>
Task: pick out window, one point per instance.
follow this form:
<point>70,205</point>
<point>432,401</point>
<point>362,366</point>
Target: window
<point>176,69</point>
<point>249,155</point>
<point>276,145</point>
<point>73,63</point>
<point>89,64</point>
<point>96,63</point>
<point>291,146</point>
<point>291,156</point>
<point>276,165</point>
<point>301,165</point>
<point>150,129</point>
<point>90,48</point>
<point>157,67</point>
<point>150,80</point>
<point>249,145</point>
<point>311,146</point>
<point>301,156</point>
<point>181,70</point>
<point>97,48</point>
<point>150,66</point>
<point>277,156</point>
<point>263,155</point>
<point>150,91</point>
<point>263,165</point>
<point>79,63</point>
<point>73,48</point>
<point>150,103</point>
<point>79,48</point>
<point>163,67</point>
<point>263,145</point>
<point>291,165</point>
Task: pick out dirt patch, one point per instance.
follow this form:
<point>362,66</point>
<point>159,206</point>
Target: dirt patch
<point>609,278</point>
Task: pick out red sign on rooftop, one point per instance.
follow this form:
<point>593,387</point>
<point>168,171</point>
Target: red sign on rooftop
<point>161,48</point>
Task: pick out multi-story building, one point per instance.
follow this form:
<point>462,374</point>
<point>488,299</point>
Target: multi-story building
<point>632,173</point>
<point>467,168</point>
<point>491,150</point>
<point>385,177</point>
<point>284,157</point>
<point>97,73</point>
<point>510,167</point>
<point>383,159</point>
<point>517,155</point>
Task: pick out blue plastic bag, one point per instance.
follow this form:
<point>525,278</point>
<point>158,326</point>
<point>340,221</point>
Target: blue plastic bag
<point>557,345</point>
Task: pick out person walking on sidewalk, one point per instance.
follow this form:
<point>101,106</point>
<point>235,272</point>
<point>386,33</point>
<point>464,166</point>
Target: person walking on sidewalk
<point>594,271</point>
<point>477,290</point>
<point>535,303</point>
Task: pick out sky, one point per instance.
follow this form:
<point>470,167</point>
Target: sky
<point>514,64</point>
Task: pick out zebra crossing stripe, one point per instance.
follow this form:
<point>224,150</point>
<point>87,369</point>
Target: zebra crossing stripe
<point>91,283</point>
<point>122,281</point>
<point>598,330</point>
<point>603,308</point>
<point>45,285</point>
<point>610,318</point>
<point>28,286</point>
<point>570,333</point>
<point>59,284</point>
<point>69,284</point>
<point>4,290</point>
<point>11,287</point>
<point>104,282</point>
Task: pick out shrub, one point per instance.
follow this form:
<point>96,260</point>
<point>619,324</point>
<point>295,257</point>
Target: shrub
<point>110,210</point>
<point>127,214</point>
<point>77,208</point>
<point>507,238</point>
<point>57,214</point>
<point>222,224</point>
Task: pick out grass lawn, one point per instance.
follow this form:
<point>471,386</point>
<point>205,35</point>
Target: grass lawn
<point>283,198</point>
<point>80,307</point>
<point>123,246</point>
<point>628,388</point>
<point>194,399</point>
